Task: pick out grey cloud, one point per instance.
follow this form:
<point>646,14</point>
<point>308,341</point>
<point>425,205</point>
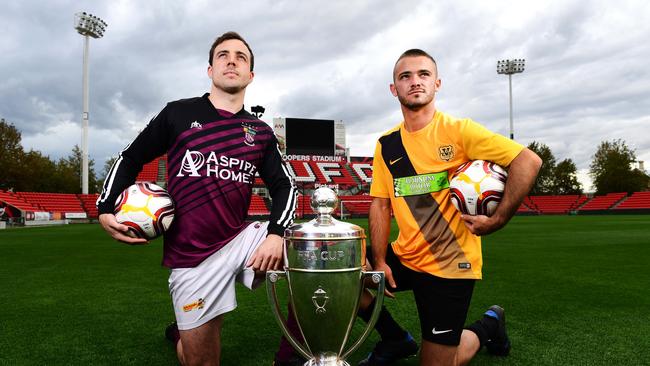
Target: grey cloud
<point>586,78</point>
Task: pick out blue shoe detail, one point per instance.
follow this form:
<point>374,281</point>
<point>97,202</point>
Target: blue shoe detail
<point>499,344</point>
<point>492,314</point>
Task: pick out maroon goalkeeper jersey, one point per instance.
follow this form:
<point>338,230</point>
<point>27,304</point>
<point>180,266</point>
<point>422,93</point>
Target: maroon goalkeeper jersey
<point>212,159</point>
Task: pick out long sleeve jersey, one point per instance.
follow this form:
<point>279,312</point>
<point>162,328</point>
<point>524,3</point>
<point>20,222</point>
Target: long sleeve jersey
<point>212,159</point>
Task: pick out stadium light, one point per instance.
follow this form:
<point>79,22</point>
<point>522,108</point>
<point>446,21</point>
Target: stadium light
<point>88,26</point>
<point>509,67</point>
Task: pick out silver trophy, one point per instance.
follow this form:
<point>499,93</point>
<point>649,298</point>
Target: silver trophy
<point>323,265</point>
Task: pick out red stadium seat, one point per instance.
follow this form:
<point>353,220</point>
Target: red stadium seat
<point>332,173</point>
<point>302,172</point>
<point>257,206</point>
<point>556,204</point>
<point>88,202</point>
<point>363,171</point>
<point>149,172</point>
<point>19,202</point>
<point>603,202</point>
<point>638,200</point>
<point>54,202</point>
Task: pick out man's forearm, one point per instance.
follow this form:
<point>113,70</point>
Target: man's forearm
<point>379,222</point>
<point>521,177</point>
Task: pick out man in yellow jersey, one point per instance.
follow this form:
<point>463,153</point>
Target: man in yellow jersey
<point>437,254</point>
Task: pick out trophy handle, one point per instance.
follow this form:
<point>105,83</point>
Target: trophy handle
<point>272,278</point>
<point>378,278</point>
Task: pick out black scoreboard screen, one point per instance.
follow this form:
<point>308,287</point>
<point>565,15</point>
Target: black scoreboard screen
<point>310,136</point>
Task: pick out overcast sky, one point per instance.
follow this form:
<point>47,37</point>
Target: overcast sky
<point>587,75</point>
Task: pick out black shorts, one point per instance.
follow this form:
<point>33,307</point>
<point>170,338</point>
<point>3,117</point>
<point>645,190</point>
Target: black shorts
<point>442,303</point>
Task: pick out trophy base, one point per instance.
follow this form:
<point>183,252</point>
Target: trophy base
<point>314,362</point>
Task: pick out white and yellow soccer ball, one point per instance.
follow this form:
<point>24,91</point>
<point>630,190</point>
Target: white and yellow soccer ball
<point>147,209</point>
<point>477,187</point>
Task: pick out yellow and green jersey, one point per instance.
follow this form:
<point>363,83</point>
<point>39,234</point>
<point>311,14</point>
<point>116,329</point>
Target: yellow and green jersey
<point>413,170</point>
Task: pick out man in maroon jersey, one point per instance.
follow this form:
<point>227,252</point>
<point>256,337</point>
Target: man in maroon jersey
<point>214,149</point>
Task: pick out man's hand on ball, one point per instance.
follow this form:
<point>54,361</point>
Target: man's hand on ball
<point>118,231</point>
<point>268,255</point>
<point>481,224</point>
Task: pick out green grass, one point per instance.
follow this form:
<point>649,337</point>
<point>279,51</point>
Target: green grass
<point>576,290</point>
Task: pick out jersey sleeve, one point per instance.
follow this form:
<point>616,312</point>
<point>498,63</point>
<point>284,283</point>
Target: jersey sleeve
<point>481,143</point>
<point>380,175</point>
<point>149,144</point>
<point>279,182</point>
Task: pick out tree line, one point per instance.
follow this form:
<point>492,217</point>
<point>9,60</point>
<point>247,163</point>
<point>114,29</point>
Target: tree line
<point>611,169</point>
<point>31,171</point>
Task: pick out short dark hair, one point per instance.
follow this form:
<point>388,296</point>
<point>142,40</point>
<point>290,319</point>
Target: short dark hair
<point>226,37</point>
<point>415,52</point>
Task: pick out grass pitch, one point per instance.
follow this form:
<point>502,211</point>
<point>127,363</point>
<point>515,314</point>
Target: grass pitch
<point>576,290</point>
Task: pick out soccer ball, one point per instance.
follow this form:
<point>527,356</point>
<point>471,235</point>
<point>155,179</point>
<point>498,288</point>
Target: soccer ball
<point>146,209</point>
<point>477,187</point>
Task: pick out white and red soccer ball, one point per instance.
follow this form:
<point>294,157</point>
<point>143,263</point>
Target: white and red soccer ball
<point>477,187</point>
<point>147,209</point>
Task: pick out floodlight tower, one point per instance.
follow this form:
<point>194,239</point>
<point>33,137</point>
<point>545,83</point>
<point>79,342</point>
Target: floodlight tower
<point>510,67</point>
<point>87,25</point>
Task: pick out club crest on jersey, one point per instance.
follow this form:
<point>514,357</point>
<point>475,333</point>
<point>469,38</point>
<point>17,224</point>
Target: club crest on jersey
<point>196,124</point>
<point>446,152</point>
<point>249,134</point>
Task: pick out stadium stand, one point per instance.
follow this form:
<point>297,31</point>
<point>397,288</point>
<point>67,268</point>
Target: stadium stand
<point>303,208</point>
<point>258,181</point>
<point>353,174</point>
<point>603,202</point>
<point>530,204</point>
<point>358,205</point>
<point>638,200</point>
<point>18,202</point>
<point>320,177</point>
<point>524,209</point>
<point>149,172</point>
<point>557,204</point>
<point>54,202</point>
<point>257,206</point>
<point>332,172</point>
<point>302,171</point>
<point>162,168</point>
<point>341,173</point>
<point>88,203</point>
<point>363,171</point>
<point>351,178</point>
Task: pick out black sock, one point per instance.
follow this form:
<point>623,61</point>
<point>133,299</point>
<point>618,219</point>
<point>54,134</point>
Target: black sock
<point>485,328</point>
<point>386,326</point>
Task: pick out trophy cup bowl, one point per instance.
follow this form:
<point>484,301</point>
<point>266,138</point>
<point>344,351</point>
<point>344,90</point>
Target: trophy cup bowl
<point>323,262</point>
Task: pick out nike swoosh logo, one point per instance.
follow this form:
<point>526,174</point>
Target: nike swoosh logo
<point>434,331</point>
<point>395,161</point>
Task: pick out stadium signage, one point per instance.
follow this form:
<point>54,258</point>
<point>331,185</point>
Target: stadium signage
<point>334,187</point>
<point>41,216</point>
<point>317,158</point>
<point>310,256</point>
